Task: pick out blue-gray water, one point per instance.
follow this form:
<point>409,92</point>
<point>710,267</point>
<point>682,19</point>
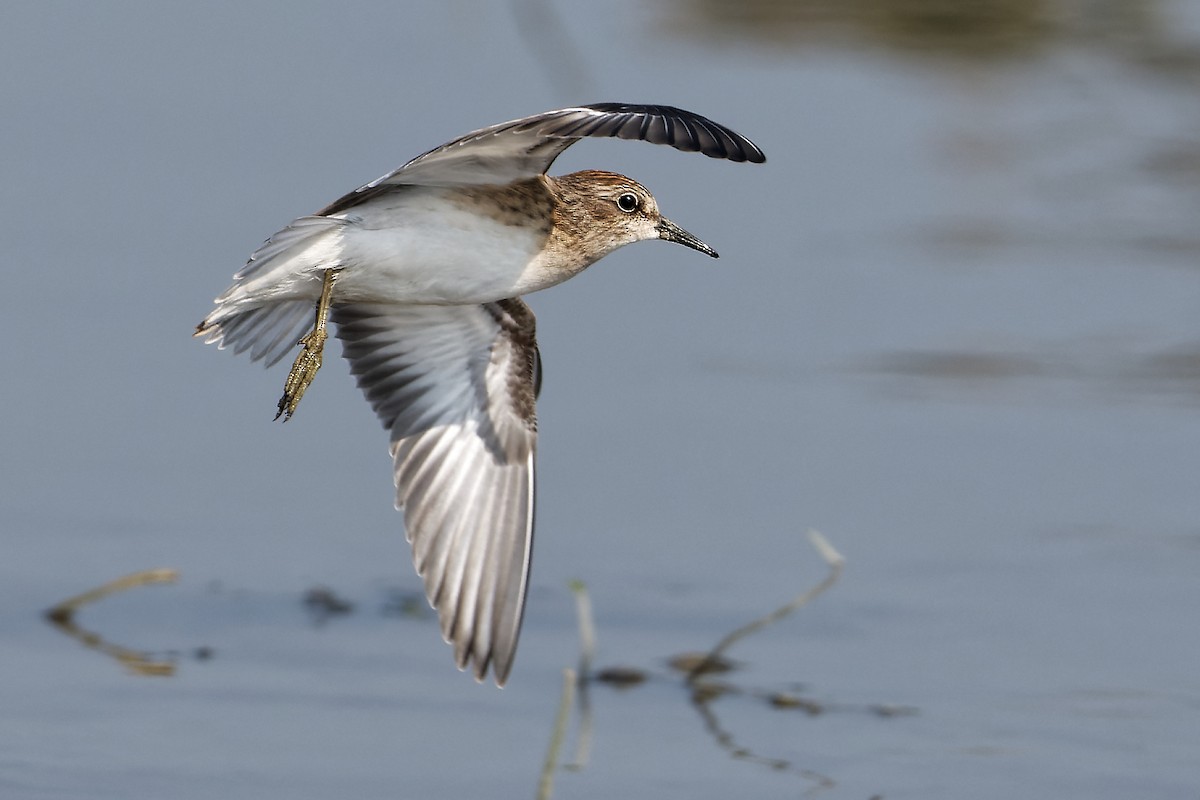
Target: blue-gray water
<point>954,327</point>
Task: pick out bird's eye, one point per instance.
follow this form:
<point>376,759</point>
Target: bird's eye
<point>628,202</point>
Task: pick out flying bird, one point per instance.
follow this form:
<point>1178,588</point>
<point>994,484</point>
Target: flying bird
<point>422,271</point>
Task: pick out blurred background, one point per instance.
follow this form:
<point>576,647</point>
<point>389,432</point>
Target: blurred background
<point>953,328</point>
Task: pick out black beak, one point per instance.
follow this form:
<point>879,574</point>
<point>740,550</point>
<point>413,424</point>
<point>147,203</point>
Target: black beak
<point>673,233</point>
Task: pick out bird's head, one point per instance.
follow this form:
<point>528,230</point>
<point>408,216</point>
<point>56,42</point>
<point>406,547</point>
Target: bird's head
<point>605,211</point>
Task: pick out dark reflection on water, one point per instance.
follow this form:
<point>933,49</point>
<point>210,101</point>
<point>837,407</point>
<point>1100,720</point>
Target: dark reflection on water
<point>964,365</point>
<point>138,662</point>
<point>1176,371</point>
<point>989,30</point>
<point>1173,374</point>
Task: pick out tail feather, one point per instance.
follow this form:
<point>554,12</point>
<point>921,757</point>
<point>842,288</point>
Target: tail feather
<point>268,332</point>
<point>298,237</point>
<point>270,303</point>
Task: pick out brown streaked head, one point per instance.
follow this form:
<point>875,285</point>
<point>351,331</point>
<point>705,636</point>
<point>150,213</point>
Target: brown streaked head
<point>603,211</point>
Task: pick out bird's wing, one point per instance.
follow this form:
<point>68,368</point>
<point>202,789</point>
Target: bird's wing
<point>456,388</point>
<point>524,148</point>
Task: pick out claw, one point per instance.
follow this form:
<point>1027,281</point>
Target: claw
<point>304,368</point>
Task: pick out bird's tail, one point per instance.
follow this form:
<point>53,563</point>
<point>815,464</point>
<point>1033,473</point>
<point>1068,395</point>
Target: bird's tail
<point>270,303</point>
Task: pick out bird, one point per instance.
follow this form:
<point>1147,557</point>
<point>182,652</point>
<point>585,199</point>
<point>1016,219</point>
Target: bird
<point>422,272</point>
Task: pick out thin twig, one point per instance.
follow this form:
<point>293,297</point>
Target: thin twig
<point>835,561</point>
<point>62,616</point>
<point>587,630</point>
<point>67,608</point>
<point>546,784</point>
<point>587,653</point>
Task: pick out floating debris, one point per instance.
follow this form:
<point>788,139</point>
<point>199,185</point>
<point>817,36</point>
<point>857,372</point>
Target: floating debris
<point>322,603</point>
<point>702,664</point>
<point>405,603</point>
<point>789,701</point>
<point>620,677</point>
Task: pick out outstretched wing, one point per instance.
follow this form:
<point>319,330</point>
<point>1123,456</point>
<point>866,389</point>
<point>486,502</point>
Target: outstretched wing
<point>524,148</point>
<point>456,388</point>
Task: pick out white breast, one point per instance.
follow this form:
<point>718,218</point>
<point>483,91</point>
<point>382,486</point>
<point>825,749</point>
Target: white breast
<point>418,247</point>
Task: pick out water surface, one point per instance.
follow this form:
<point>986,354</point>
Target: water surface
<point>953,328</point>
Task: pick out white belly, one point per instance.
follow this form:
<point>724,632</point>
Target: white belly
<point>417,247</point>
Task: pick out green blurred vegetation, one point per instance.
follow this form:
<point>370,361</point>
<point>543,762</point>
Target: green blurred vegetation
<point>981,30</point>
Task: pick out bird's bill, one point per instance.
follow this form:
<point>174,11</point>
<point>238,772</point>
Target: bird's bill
<point>673,233</point>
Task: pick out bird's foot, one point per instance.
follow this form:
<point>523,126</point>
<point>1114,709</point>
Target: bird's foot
<point>312,345</point>
<point>304,370</point>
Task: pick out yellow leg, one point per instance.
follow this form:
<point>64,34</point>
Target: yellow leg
<point>304,368</point>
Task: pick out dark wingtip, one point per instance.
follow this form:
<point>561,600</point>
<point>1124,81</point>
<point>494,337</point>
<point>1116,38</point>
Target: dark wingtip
<point>684,130</point>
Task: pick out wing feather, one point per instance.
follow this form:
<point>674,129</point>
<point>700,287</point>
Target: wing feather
<point>526,147</point>
<point>455,388</point>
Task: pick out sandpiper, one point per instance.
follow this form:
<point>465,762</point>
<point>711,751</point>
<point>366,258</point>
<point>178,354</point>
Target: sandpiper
<point>422,271</point>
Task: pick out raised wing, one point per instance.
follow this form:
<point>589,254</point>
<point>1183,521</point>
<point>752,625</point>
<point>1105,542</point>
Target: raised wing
<point>456,388</point>
<point>524,148</point>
